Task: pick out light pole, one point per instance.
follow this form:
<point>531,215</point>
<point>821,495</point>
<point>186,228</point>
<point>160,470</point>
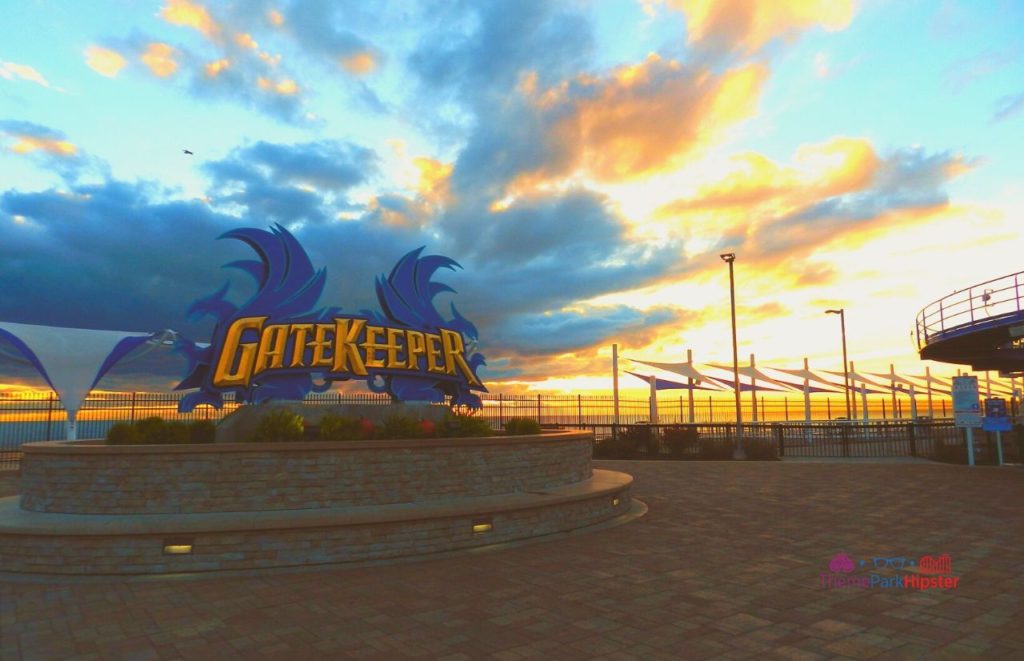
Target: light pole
<point>729,258</point>
<point>846,366</point>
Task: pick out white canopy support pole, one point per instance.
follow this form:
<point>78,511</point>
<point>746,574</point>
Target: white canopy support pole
<point>853,393</point>
<point>913,403</point>
<point>689,360</point>
<point>654,399</point>
<point>864,400</point>
<point>892,388</point>
<point>928,380</point>
<point>615,384</point>
<point>753,391</point>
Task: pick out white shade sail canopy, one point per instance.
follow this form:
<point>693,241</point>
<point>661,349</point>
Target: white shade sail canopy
<point>73,360</point>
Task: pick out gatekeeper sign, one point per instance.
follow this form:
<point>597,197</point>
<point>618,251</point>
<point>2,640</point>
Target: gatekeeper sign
<point>274,345</point>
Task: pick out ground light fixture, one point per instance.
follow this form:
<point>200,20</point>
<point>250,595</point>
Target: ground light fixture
<point>178,546</point>
<point>729,258</point>
<point>482,525</point>
<point>846,365</point>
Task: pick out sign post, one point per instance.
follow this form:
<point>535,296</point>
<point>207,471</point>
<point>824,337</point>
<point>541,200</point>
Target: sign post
<point>967,409</point>
<point>997,420</point>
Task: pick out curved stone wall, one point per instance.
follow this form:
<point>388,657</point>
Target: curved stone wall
<point>91,478</point>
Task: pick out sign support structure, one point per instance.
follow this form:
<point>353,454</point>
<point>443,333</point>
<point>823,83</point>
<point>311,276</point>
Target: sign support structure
<point>967,409</point>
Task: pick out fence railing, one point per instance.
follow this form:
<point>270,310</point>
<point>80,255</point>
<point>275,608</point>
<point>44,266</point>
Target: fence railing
<point>933,439</point>
<point>978,305</point>
<point>39,416</point>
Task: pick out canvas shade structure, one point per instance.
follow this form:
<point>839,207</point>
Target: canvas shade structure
<point>73,360</point>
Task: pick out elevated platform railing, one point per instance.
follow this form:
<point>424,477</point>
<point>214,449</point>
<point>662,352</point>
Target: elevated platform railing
<point>984,305</point>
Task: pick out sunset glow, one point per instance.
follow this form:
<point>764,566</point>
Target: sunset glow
<point>585,163</point>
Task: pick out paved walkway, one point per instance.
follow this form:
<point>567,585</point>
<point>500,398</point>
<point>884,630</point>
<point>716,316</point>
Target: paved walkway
<point>726,563</point>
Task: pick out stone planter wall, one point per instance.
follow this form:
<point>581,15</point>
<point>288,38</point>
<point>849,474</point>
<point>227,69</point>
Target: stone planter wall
<point>91,478</point>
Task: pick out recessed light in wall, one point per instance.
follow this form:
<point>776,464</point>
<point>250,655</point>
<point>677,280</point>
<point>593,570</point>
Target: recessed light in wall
<point>482,525</point>
<point>179,546</point>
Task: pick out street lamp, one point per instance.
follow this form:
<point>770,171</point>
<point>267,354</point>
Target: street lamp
<point>729,258</point>
<point>846,366</point>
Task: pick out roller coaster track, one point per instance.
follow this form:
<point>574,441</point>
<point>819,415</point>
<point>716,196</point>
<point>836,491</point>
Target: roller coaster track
<point>981,326</point>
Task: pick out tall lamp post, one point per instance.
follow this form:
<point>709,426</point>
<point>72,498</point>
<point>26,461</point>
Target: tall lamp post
<point>846,365</point>
<point>729,258</point>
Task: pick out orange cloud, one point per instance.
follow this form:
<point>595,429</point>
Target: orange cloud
<point>12,70</point>
<point>747,26</point>
<point>160,59</point>
<point>285,87</point>
<point>839,166</point>
<point>213,69</point>
<point>642,118</point>
<point>104,61</point>
<point>360,63</point>
<point>434,184</point>
<point>26,144</point>
<point>245,40</point>
<point>190,14</point>
<point>275,18</point>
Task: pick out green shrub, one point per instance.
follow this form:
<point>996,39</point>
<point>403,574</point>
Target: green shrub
<point>400,426</point>
<point>759,449</point>
<point>149,428</point>
<point>680,440</point>
<point>280,426</point>
<point>710,449</point>
<point>123,433</point>
<point>522,427</point>
<point>463,424</point>
<point>169,433</point>
<point>202,431</point>
<point>341,428</point>
<point>618,447</point>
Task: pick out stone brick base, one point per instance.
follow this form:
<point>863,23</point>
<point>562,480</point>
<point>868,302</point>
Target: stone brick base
<point>46,543</point>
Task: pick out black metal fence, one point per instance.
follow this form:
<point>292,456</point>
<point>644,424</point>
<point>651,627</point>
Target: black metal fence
<point>933,439</point>
<point>34,416</point>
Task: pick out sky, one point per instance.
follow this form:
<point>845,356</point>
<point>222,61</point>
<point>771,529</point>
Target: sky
<point>585,162</point>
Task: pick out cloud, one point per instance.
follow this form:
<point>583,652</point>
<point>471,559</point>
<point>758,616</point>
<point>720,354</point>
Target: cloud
<point>743,27</point>
<point>579,330</point>
<point>289,183</point>
<point>15,71</point>
<point>104,61</point>
<point>49,148</point>
<point>159,58</point>
<point>907,183</point>
<point>190,14</point>
<point>962,73</point>
<point>1008,107</point>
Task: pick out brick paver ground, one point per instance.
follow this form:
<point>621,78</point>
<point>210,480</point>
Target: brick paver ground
<point>726,564</point>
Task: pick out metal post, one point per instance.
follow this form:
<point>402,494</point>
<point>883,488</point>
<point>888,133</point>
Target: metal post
<point>807,394</point>
<point>538,408</point>
<point>970,446</point>
<point>999,447</point>
<point>729,258</point>
<point>131,414</point>
<point>615,384</point>
<point>654,398</point>
<point>689,361</point>
<point>579,410</point>
<point>853,393</point>
<point>753,392</point>
<point>49,418</point>
<point>928,378</point>
<point>864,401</point>
<point>892,389</point>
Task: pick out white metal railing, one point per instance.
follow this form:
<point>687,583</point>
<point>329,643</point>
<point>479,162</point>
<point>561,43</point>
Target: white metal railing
<point>978,304</point>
